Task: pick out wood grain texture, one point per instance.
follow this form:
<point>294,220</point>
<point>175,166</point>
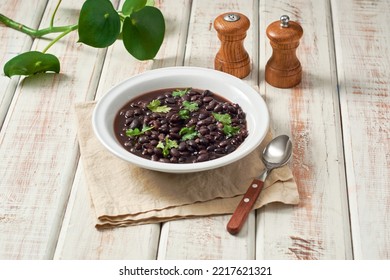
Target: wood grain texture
<point>232,57</point>
<point>79,238</point>
<point>362,40</point>
<point>342,102</point>
<point>38,145</point>
<point>14,42</point>
<point>207,238</point>
<point>318,228</point>
<point>239,216</point>
<point>283,69</point>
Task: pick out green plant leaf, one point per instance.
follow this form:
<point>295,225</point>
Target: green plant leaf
<point>131,6</point>
<point>143,33</point>
<point>150,3</point>
<point>99,23</point>
<point>30,63</point>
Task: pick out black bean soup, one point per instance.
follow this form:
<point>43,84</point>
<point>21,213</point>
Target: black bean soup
<point>180,126</point>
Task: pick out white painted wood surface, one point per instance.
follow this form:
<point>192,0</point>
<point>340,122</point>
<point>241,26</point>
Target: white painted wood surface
<point>318,228</point>
<point>141,241</point>
<point>39,148</point>
<point>338,119</point>
<point>362,40</point>
<point>13,42</point>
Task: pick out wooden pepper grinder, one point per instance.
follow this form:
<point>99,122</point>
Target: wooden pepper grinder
<point>283,69</point>
<point>232,58</point>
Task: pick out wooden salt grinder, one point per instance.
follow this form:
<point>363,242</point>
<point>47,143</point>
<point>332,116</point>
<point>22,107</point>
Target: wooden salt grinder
<point>283,69</point>
<point>232,58</point>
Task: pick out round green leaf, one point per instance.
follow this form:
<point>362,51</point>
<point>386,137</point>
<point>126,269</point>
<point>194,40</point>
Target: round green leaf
<point>131,6</point>
<point>143,32</point>
<point>99,23</point>
<point>31,63</point>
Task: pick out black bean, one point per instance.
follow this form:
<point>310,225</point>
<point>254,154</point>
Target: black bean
<point>137,112</point>
<point>203,157</point>
<point>174,152</point>
<point>223,143</point>
<point>175,129</point>
<point>206,92</point>
<point>210,148</point>
<point>170,100</point>
<point>218,108</point>
<point>158,152</point>
<point>174,136</point>
<point>203,130</point>
<point>207,99</point>
<point>128,121</point>
<point>129,113</point>
<point>164,128</point>
<point>204,141</point>
<point>203,115</point>
<point>155,158</point>
<point>182,146</point>
<point>174,159</point>
<point>135,123</point>
<point>175,118</point>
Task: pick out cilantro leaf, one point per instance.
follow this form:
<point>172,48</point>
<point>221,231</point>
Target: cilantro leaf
<point>190,106</point>
<point>137,132</point>
<point>188,133</point>
<point>169,144</point>
<point>229,130</point>
<point>184,114</point>
<point>223,118</point>
<point>155,106</point>
<point>180,93</point>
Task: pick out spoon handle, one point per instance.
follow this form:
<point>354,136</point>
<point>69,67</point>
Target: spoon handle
<point>244,207</point>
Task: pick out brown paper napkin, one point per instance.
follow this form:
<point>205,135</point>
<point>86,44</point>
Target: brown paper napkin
<point>124,194</point>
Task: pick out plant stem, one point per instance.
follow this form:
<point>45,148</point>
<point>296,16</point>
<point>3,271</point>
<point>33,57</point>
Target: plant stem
<point>73,27</point>
<point>54,14</point>
<point>35,33</point>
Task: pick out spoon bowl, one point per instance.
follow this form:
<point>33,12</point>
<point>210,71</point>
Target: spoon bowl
<point>276,154</point>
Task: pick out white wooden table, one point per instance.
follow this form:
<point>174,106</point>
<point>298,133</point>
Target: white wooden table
<point>338,118</point>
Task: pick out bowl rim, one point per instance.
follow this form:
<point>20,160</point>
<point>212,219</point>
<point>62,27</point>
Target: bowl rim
<point>108,140</point>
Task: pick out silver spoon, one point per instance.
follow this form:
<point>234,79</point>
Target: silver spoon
<point>276,154</point>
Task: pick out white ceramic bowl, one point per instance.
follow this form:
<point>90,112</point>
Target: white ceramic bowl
<point>230,87</point>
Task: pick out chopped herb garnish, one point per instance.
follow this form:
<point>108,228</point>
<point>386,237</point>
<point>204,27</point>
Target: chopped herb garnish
<point>180,92</point>
<point>191,106</point>
<point>223,118</point>
<point>226,120</point>
<point>136,131</point>
<point>229,130</point>
<point>169,144</point>
<point>155,106</point>
<point>184,114</point>
<point>188,133</point>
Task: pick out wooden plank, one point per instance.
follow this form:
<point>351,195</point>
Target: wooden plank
<point>362,42</point>
<point>318,228</point>
<point>141,241</point>
<point>80,240</point>
<point>207,238</point>
<point>38,144</point>
<point>14,42</point>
